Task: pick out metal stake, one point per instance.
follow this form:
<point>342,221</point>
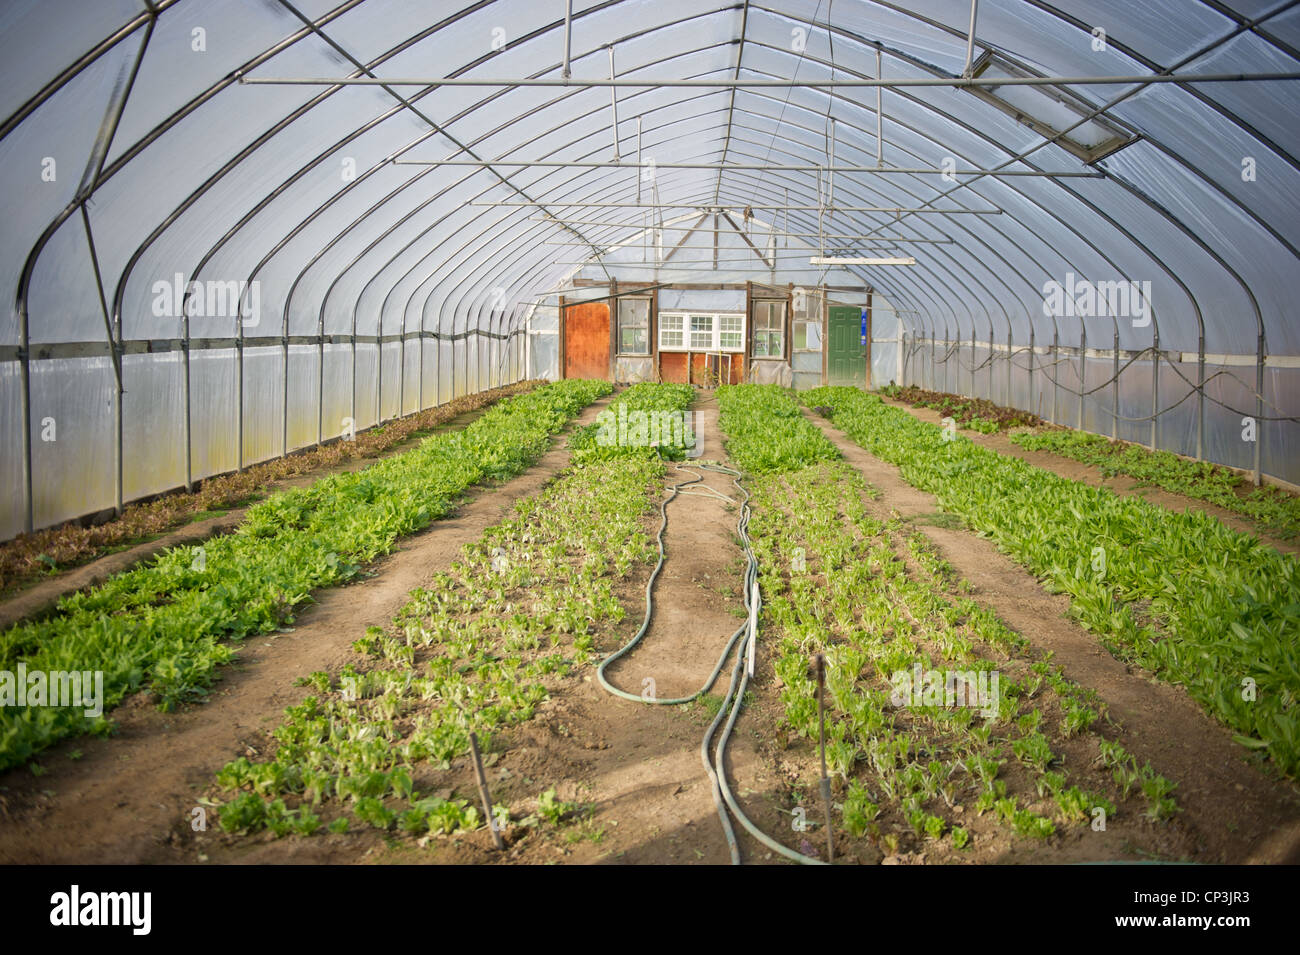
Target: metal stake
<point>483,791</point>
<point>820,663</point>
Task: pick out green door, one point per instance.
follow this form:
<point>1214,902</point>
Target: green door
<point>846,357</point>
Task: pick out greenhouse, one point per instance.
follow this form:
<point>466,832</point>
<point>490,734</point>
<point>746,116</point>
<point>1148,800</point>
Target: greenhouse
<point>796,431</point>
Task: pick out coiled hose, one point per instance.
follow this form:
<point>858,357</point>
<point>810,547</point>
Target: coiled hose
<point>723,797</point>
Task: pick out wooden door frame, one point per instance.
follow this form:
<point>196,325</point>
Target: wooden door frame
<point>564,351</point>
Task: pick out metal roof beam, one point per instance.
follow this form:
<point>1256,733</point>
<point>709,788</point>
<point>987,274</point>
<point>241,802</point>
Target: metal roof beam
<point>1143,79</point>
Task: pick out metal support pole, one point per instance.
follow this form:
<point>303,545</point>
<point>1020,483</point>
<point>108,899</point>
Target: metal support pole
<point>698,206</point>
<point>115,354</point>
<point>880,116</point>
<point>483,792</point>
<point>185,389</point>
<point>284,393</point>
<point>1030,394</point>
<point>873,241</point>
<point>1010,403</point>
<point>820,666</point>
<point>239,394</point>
<point>1259,409</point>
<point>1083,371</point>
<point>746,167</point>
<point>934,368</point>
<point>1114,385</point>
<point>973,392</point>
<point>830,178</point>
<point>401,367</point>
<point>1136,79</point>
<point>948,353</point>
<point>568,37</point>
<point>1056,373</point>
<point>1200,395</point>
<point>992,397</point>
<point>1155,390</point>
<point>320,380</point>
<point>613,101</point>
<point>970,39</point>
<point>24,374</point>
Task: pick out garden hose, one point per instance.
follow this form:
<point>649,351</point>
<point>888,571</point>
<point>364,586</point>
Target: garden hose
<point>735,698</point>
<point>723,797</point>
<point>649,612</point>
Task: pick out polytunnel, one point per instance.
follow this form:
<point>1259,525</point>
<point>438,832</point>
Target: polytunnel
<point>238,228</point>
<point>650,432</point>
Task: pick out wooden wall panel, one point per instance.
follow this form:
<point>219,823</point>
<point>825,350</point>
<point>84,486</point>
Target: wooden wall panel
<point>672,367</point>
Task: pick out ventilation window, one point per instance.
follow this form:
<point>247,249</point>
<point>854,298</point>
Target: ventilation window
<point>1047,110</point>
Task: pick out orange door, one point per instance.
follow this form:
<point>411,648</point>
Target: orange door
<point>586,341</point>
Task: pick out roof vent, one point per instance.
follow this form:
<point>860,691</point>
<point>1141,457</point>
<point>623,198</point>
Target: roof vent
<point>1047,109</point>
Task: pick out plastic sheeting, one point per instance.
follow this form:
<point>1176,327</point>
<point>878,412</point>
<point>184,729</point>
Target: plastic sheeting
<point>150,161</point>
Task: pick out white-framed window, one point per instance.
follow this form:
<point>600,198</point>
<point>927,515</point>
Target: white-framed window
<point>769,329</point>
<point>634,326</point>
<point>731,332</point>
<point>702,331</point>
<point>670,332</point>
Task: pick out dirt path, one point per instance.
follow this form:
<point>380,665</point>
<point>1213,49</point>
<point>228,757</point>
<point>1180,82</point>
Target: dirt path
<point>38,597</point>
<point>1237,813</point>
<point>127,799</point>
<point>1092,475</point>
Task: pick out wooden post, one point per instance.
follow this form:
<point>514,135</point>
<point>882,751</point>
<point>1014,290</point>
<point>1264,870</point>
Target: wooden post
<point>653,333</point>
<point>787,330</point>
<point>613,330</point>
<point>749,330</point>
<point>870,335</point>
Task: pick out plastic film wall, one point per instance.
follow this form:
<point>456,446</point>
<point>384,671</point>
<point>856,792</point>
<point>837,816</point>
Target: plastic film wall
<point>206,267</point>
